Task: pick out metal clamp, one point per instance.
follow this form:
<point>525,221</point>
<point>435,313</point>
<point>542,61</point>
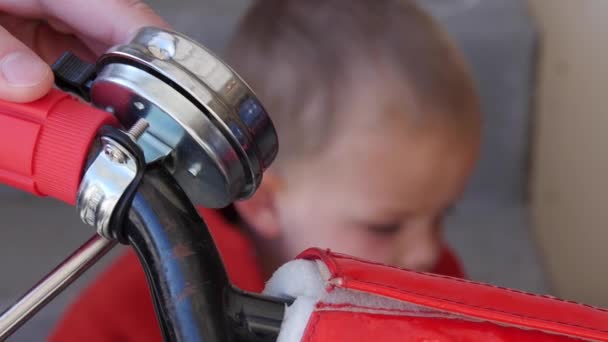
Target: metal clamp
<point>106,182</point>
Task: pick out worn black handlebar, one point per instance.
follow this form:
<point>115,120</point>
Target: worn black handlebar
<point>193,298</point>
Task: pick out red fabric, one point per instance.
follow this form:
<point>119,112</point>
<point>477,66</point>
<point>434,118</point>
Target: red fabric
<point>118,306</point>
<point>514,315</point>
<point>449,265</point>
<point>359,326</point>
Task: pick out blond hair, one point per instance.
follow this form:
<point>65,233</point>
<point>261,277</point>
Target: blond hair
<point>303,58</point>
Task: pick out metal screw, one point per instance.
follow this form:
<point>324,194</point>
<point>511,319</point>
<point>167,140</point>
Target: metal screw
<point>138,129</point>
<point>135,132</point>
<point>114,154</point>
<point>139,105</point>
<point>195,169</point>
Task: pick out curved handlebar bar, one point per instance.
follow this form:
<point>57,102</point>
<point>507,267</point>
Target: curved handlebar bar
<point>182,264</point>
<point>193,297</point>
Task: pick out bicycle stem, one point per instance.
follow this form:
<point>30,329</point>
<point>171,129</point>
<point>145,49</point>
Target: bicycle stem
<point>181,262</point>
<point>193,297</point>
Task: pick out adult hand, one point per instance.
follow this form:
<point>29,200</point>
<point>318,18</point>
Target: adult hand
<point>34,33</point>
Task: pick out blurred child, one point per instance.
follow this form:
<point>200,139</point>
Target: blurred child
<point>378,123</point>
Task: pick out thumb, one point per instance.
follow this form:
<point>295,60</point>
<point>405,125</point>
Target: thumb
<point>24,76</point>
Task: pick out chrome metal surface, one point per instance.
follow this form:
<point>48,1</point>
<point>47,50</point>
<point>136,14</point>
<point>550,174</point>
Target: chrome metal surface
<point>52,284</point>
<point>192,143</point>
<point>220,96</point>
<point>103,184</point>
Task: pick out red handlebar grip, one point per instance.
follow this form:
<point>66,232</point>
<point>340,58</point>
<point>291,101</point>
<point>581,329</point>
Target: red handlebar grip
<point>44,144</point>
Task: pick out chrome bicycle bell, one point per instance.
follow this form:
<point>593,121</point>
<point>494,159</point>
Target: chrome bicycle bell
<point>205,123</point>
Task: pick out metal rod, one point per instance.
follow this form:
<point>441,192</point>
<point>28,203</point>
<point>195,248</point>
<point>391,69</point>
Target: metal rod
<point>53,283</point>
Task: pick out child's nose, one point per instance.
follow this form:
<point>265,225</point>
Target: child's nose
<point>421,255</point>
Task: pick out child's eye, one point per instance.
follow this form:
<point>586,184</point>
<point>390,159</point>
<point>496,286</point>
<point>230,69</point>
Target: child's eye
<point>384,229</point>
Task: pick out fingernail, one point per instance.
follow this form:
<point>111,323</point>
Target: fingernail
<point>23,69</point>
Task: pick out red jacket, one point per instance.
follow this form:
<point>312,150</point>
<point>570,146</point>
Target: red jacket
<point>118,305</point>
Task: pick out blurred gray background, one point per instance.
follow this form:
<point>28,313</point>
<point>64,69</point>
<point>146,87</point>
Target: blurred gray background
<point>489,229</point>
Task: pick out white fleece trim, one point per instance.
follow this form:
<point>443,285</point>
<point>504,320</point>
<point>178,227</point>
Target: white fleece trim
<point>297,278</point>
<point>305,281</point>
<point>296,319</point>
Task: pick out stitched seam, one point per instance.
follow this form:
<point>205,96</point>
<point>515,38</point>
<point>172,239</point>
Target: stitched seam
<point>486,308</point>
<point>437,314</point>
<point>313,327</point>
<point>476,283</point>
<point>327,258</point>
<point>325,306</point>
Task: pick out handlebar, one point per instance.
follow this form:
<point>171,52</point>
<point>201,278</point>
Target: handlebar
<point>193,297</point>
<point>139,185</point>
<point>44,144</point>
<point>181,262</point>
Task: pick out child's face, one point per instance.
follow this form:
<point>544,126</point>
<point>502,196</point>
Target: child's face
<point>378,195</point>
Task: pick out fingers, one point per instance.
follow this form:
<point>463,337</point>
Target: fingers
<point>44,38</point>
<point>106,21</point>
<point>24,76</point>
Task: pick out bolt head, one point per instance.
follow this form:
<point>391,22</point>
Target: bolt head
<point>114,154</point>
